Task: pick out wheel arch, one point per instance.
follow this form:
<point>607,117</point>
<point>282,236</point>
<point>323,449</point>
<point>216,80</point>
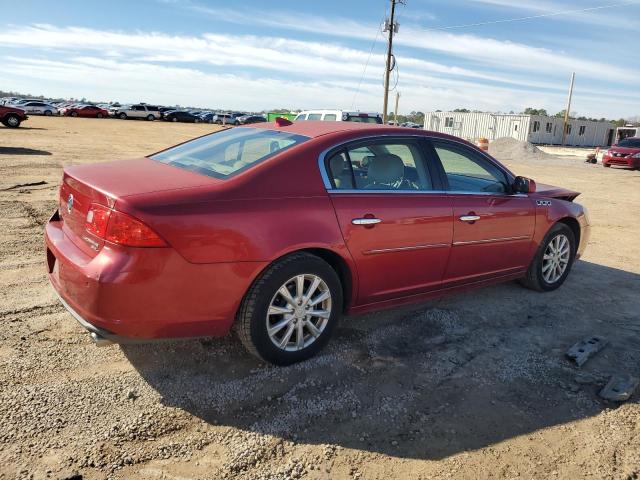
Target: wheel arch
<point>573,224</point>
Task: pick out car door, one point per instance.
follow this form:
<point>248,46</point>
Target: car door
<point>395,219</point>
<point>492,227</point>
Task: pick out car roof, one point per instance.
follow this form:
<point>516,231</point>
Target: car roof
<point>318,128</point>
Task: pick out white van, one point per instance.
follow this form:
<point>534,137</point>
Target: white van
<point>339,116</point>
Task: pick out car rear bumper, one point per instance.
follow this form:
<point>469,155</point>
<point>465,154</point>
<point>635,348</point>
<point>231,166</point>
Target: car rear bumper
<point>124,294</point>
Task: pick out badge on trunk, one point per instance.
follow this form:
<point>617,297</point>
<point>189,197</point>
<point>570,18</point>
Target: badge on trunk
<point>70,203</point>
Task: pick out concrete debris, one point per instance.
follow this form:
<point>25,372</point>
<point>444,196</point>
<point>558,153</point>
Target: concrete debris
<point>585,349</point>
<point>620,387</point>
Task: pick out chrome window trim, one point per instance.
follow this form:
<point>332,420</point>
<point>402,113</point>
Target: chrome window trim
<point>327,181</point>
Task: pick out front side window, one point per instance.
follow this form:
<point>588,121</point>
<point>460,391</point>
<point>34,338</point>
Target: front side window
<point>314,116</point>
<point>380,165</point>
<point>330,117</point>
<point>228,152</point>
<point>467,171</point>
<point>301,117</point>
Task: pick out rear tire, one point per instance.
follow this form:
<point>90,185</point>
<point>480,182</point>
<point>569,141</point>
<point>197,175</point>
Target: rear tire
<point>122,116</point>
<point>151,118</point>
<point>266,317</point>
<point>12,121</point>
<point>174,119</point>
<point>548,269</point>
<point>74,114</point>
<point>48,113</point>
<point>99,115</point>
<point>606,165</point>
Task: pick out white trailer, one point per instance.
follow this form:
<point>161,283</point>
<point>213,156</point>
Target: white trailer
<point>531,128</point>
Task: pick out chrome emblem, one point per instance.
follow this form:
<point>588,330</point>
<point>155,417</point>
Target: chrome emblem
<point>70,203</point>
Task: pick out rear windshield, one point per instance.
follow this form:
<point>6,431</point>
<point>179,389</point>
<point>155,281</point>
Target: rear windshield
<point>363,119</point>
<point>228,152</point>
<point>630,142</point>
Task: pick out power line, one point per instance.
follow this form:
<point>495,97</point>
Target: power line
<point>373,45</point>
<point>534,17</point>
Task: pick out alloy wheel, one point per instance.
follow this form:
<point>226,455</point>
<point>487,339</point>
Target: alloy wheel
<point>556,258</point>
<point>13,121</point>
<point>299,312</point>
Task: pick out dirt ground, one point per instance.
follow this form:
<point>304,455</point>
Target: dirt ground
<point>466,387</point>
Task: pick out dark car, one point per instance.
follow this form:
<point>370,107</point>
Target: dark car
<point>247,119</point>
<point>165,110</point>
<point>208,117</point>
<point>277,229</point>
<point>181,116</point>
<point>12,117</point>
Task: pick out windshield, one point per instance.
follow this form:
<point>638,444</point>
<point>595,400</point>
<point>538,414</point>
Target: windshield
<point>367,119</point>
<point>630,143</point>
<point>228,152</point>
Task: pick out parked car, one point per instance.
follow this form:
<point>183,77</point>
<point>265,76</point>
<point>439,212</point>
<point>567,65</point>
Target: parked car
<point>12,117</point>
<point>38,108</point>
<point>90,111</point>
<point>625,154</point>
<point>276,230</point>
<point>339,116</point>
<point>141,110</point>
<point>227,118</point>
<point>164,110</point>
<point>208,117</point>
<point>182,116</point>
<point>249,119</point>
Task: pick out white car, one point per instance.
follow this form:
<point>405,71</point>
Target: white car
<point>38,108</point>
<point>339,116</point>
<point>140,110</point>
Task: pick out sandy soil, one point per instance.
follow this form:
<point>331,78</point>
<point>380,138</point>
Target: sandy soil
<point>472,386</point>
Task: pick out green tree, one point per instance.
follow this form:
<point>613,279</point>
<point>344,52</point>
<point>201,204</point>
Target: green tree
<point>535,111</point>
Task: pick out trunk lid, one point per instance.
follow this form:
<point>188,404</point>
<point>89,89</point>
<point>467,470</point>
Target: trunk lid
<point>550,191</point>
<point>105,183</point>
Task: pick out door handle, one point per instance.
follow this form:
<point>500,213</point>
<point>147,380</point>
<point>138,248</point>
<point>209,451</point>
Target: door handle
<point>366,221</point>
<point>469,218</point>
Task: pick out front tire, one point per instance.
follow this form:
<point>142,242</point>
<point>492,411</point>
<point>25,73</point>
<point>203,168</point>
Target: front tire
<point>606,165</point>
<point>553,261</point>
<point>122,116</point>
<point>99,115</point>
<point>151,118</point>
<point>48,113</point>
<point>12,121</point>
<point>290,311</point>
<point>73,114</point>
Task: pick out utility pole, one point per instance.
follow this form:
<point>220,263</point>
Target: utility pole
<point>566,112</point>
<point>392,27</point>
<point>395,112</point>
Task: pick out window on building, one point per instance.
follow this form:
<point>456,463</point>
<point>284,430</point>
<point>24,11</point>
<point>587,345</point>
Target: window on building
<point>548,127</point>
<point>582,129</point>
<point>536,126</point>
<point>568,129</point>
<point>448,122</point>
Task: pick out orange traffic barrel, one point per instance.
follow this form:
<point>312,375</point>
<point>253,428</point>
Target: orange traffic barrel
<point>483,144</point>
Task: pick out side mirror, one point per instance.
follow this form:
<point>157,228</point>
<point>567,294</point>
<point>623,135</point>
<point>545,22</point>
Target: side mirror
<point>523,185</point>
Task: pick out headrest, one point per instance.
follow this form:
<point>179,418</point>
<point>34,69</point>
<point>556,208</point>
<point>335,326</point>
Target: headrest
<point>385,169</point>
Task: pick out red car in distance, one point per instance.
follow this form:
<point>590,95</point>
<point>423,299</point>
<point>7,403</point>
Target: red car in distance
<point>278,229</point>
<point>88,111</point>
<point>625,154</point>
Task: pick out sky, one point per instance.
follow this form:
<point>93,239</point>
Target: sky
<point>254,55</point>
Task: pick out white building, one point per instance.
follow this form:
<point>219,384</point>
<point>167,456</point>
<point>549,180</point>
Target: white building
<point>531,128</point>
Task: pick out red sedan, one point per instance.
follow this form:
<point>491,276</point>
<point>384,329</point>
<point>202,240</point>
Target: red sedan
<point>88,111</point>
<point>278,229</point>
<point>12,117</point>
<point>625,154</point>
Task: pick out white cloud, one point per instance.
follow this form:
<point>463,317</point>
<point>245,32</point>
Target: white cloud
<point>196,70</point>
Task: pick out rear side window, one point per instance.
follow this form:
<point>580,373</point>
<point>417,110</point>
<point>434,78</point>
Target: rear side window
<point>226,153</point>
<point>467,171</point>
<point>330,117</point>
<point>314,116</point>
<point>380,165</point>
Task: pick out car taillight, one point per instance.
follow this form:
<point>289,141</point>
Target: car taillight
<point>120,228</point>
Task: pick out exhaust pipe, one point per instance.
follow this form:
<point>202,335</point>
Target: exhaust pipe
<point>99,340</point>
